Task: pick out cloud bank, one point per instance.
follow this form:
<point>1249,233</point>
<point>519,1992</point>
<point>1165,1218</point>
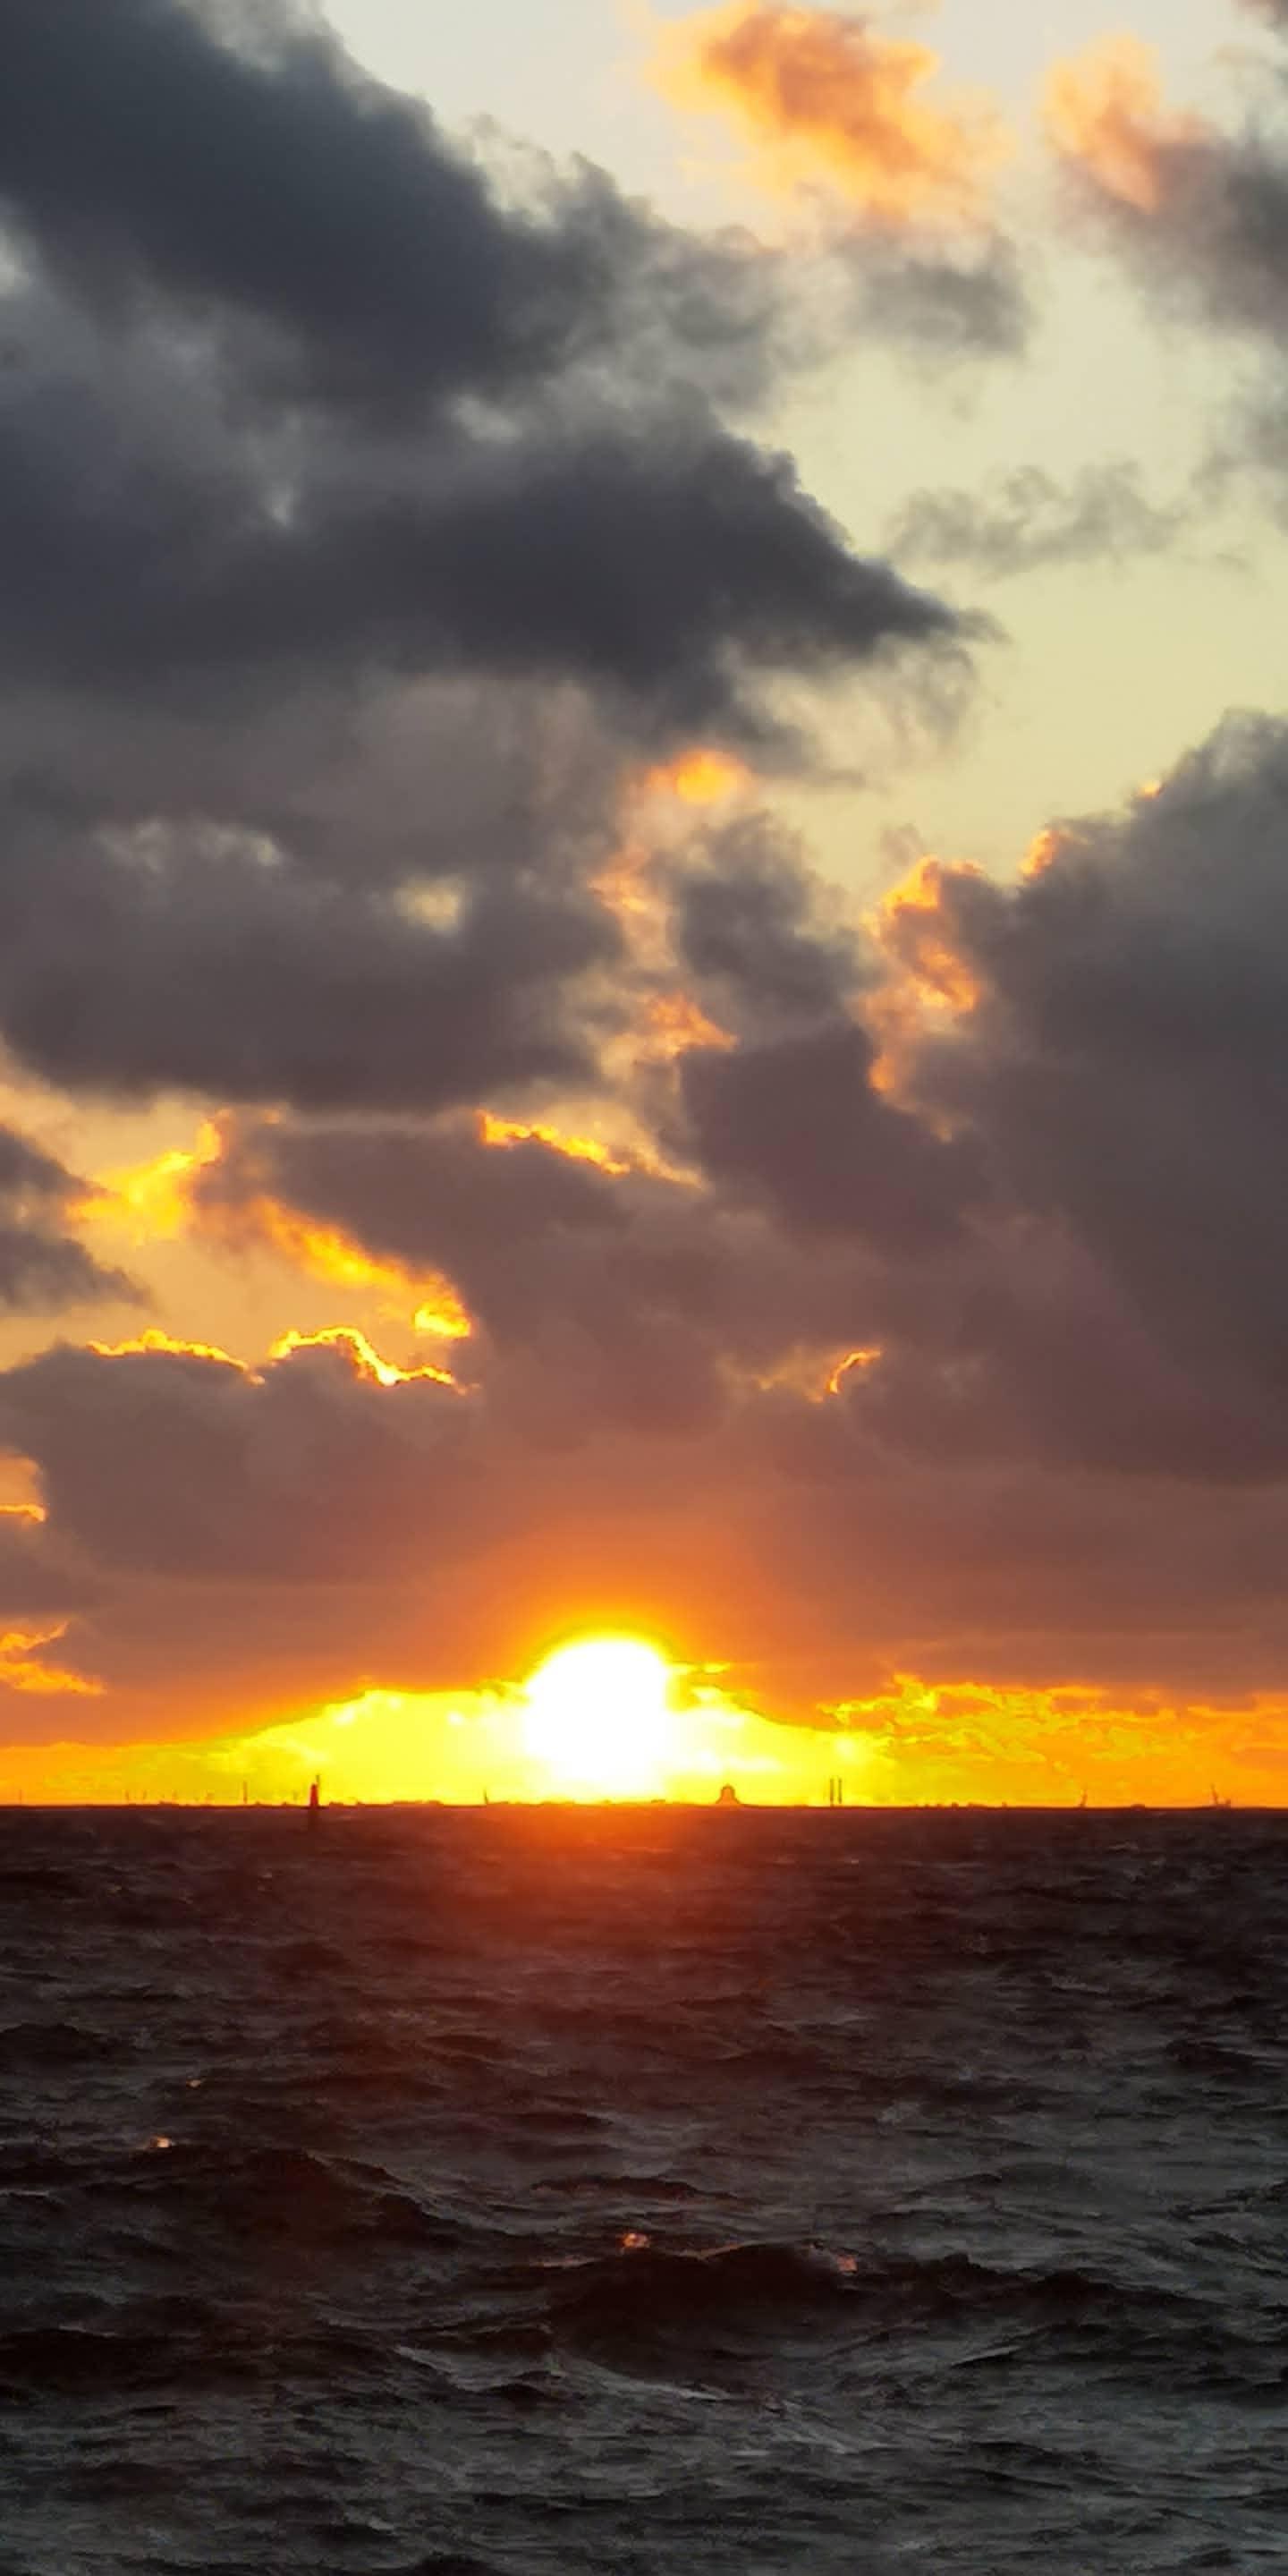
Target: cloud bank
<point>401,621</point>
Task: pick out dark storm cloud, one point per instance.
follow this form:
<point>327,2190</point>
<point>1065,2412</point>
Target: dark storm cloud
<point>137,148</point>
<point>424,784</point>
<point>1126,1062</point>
<point>797,1124</point>
<point>302,1534</point>
<point>627,1296</point>
<point>667,562</point>
<point>1026,520</point>
<point>184,956</point>
<point>275,181</point>
<point>752,929</point>
<point>176,1463</point>
<point>1066,1184</point>
<point>42,1267</point>
<point>38,1576</point>
<point>360,528</point>
<point>601,1295</point>
<point>185,507</point>
<point>933,1216</point>
<point>1023,1350</point>
<point>1061,1228</point>
<point>1012,1572</point>
<point>790,1118</point>
<point>212,577</point>
<point>433,1198</point>
<point>1059,1223</point>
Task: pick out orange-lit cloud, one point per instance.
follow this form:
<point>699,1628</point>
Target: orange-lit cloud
<point>324,1252</point>
<point>161,1199</point>
<point>156,1340</point>
<point>659,803</point>
<point>909,924</point>
<point>845,1367</point>
<point>828,98</point>
<point>352,1344</point>
<point>153,1201</point>
<point>356,1347</point>
<point>699,777</point>
<point>627,886</point>
<point>638,1153</point>
<point>673,1023</point>
<point>1045,851</point>
<point>957,1742</point>
<point>20,1669</point>
<point>579,1149</point>
<point>931,984</point>
<point>1105,116</point>
<point>444,1316</point>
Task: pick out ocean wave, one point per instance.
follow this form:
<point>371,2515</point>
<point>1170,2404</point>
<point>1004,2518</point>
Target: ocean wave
<point>34,2359</point>
<point>642,2294</point>
<point>49,2044</point>
<point>916,2194</point>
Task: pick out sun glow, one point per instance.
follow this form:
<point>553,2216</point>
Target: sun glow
<point>599,1717</point>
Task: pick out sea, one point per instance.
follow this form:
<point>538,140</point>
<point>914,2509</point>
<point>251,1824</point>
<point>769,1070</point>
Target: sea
<point>642,2191</point>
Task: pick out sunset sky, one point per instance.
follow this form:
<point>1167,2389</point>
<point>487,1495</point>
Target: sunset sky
<point>644,898</point>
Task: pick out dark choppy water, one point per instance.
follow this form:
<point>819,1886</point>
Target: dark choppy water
<point>632,2192</point>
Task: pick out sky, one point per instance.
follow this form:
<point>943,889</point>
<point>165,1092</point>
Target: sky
<point>643,899</point>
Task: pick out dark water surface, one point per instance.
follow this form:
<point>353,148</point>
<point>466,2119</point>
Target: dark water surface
<point>642,2191</point>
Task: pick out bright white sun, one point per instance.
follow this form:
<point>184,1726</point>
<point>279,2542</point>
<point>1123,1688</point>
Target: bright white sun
<point>599,1716</point>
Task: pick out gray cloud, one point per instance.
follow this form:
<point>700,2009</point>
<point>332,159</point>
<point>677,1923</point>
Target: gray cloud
<point>43,1268</point>
<point>1059,1230</point>
<point>942,305</point>
<point>600,1295</point>
<point>282,1537</point>
<point>1126,1063</point>
<point>1022,1351</point>
<point>241,162</point>
<point>756,932</point>
<point>1031,1216</point>
<point>39,1577</point>
<point>1203,223</point>
<point>428,785</point>
<point>180,955</point>
<point>665,561</point>
<point>173,512</point>
<point>797,1123</point>
<point>225,618</point>
<point>364,526</point>
<point>175,1464</point>
<point>311,442</point>
<point>141,148</point>
<point>310,430</point>
<point>1026,520</point>
<point>305,1533</point>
